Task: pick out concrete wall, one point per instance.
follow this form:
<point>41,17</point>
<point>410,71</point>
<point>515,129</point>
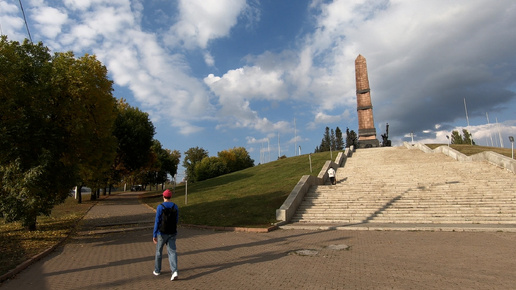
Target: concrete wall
<point>489,156</point>
<point>296,196</point>
<point>289,207</point>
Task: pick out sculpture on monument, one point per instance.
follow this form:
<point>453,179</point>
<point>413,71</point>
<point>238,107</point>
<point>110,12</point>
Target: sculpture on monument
<point>385,137</point>
<point>366,129</point>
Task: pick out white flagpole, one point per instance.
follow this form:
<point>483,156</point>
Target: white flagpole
<point>467,120</point>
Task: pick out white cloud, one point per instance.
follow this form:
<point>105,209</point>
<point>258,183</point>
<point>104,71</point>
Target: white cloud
<point>50,21</point>
<point>203,20</point>
<point>208,59</point>
<point>11,24</point>
<point>322,118</point>
<point>253,140</point>
<point>248,83</point>
<point>79,4</point>
<point>237,88</point>
<point>158,79</point>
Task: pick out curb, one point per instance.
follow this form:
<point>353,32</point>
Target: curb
<point>232,229</point>
<point>405,227</point>
<point>30,261</point>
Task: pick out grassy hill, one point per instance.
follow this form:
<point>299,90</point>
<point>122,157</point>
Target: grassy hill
<point>247,198</point>
<point>474,149</point>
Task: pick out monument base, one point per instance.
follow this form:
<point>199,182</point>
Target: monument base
<point>368,143</point>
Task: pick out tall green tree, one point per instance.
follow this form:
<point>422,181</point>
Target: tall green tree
<point>351,138</point>
<point>43,126</point>
<point>169,161</point>
<point>90,116</point>
<point>457,138</point>
<point>163,163</point>
<point>134,132</point>
<point>467,137</point>
<point>193,156</point>
<point>33,175</point>
<point>326,141</point>
<point>339,141</point>
<point>333,140</point>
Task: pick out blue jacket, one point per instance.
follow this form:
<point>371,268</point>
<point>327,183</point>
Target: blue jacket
<point>157,220</point>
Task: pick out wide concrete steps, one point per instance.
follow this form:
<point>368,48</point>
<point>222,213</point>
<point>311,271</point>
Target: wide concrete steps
<point>398,185</point>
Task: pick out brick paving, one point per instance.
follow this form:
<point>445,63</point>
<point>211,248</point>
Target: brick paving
<point>102,258</point>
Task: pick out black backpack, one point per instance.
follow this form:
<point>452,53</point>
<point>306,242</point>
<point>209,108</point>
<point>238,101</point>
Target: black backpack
<point>168,224</point>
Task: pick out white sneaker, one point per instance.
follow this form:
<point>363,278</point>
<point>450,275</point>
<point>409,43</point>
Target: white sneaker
<point>155,273</point>
<point>174,276</point>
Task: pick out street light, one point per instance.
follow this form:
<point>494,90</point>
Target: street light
<point>448,137</point>
<point>512,145</point>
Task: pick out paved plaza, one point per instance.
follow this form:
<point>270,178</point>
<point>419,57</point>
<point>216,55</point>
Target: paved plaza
<point>99,257</point>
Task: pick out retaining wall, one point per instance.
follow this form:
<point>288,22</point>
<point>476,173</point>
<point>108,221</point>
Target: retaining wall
<point>489,156</point>
<point>289,207</point>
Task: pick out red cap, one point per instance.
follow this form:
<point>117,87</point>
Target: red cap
<point>167,193</point>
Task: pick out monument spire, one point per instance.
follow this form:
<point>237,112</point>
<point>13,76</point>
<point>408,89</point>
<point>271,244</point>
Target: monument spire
<point>366,129</point>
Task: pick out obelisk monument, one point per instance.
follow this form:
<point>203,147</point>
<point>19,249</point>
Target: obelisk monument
<point>366,129</point>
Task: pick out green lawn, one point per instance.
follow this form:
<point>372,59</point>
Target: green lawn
<point>474,149</point>
<point>247,198</point>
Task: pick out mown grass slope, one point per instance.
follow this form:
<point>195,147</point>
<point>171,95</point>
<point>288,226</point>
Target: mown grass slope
<point>474,149</point>
<point>247,198</point>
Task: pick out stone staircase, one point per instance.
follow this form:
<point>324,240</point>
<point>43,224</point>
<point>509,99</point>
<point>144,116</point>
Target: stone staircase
<point>396,185</point>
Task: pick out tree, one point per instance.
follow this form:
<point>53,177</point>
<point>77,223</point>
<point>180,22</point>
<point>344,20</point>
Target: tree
<point>163,163</point>
<point>33,175</point>
<point>339,142</point>
<point>169,161</point>
<point>467,137</point>
<point>457,138</point>
<point>134,132</point>
<point>332,140</point>
<point>90,116</point>
<point>351,138</point>
<point>326,141</point>
<point>47,104</point>
<point>210,167</point>
<point>192,157</point>
<point>236,159</point>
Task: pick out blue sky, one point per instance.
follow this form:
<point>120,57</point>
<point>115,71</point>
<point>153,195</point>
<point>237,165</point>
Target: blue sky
<point>219,74</point>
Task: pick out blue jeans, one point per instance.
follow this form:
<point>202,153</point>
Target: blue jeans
<point>170,240</point>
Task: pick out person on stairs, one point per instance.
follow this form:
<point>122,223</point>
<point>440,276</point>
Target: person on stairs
<point>331,174</point>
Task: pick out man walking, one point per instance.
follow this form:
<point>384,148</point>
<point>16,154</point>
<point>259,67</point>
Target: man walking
<point>165,231</point>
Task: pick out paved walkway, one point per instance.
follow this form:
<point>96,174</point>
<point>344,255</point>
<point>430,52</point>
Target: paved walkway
<point>282,259</point>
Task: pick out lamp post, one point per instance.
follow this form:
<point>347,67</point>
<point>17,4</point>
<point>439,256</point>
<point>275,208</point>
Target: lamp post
<point>512,145</point>
<point>448,137</point>
<point>186,188</point>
